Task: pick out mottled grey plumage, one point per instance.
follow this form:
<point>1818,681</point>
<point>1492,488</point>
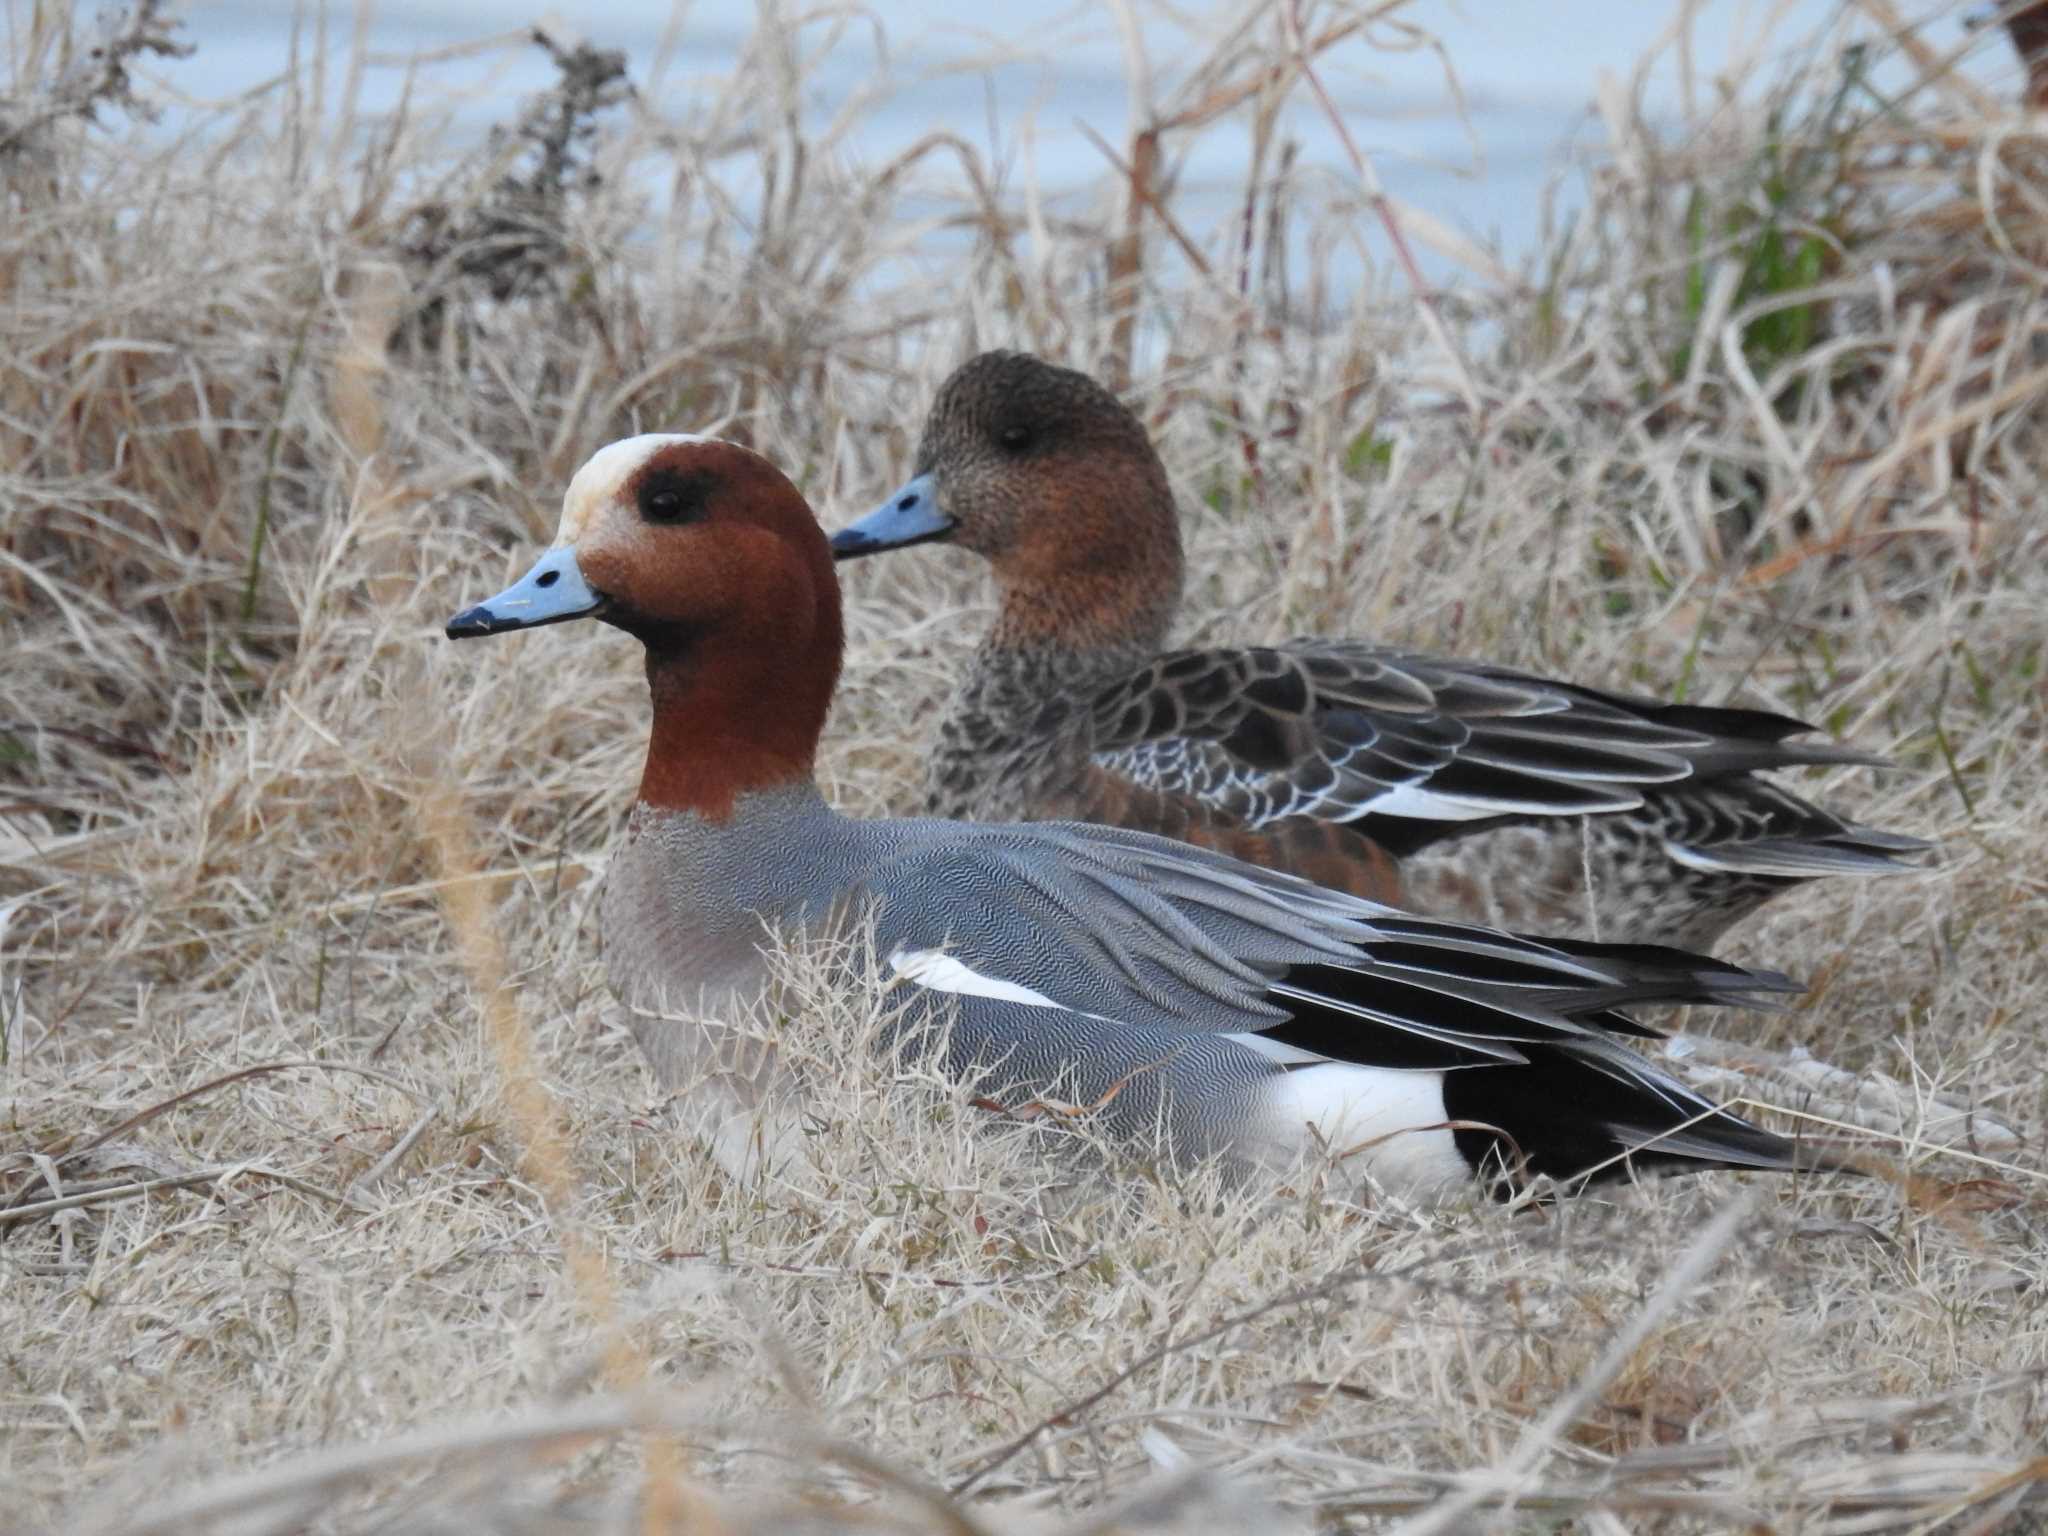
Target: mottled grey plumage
<point>1154,964</point>
<point>1498,795</point>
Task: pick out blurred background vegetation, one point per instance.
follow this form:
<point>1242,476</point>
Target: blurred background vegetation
<point>1755,413</point>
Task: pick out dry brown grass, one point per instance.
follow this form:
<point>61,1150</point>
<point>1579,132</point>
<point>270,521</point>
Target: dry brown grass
<point>295,1244</point>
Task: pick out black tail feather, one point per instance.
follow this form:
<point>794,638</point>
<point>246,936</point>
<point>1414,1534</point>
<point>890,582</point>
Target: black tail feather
<point>1566,1116</point>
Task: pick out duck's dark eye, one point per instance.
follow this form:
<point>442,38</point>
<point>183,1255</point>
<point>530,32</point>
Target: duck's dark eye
<point>667,497</point>
<point>1016,437</point>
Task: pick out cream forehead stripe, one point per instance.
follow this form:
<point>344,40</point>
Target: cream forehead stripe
<point>606,471</point>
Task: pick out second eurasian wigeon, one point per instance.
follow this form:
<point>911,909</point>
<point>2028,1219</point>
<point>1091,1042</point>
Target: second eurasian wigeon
<point>1203,1006</point>
<point>1457,788</point>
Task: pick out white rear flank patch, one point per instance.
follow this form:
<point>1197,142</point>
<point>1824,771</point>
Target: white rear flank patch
<point>1401,1115</point>
<point>605,471</point>
<point>938,970</point>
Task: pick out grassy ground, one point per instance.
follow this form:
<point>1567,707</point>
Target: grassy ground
<point>374,1221</point>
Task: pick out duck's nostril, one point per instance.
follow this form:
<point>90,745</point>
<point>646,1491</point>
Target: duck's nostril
<point>547,578</point>
<point>906,504</point>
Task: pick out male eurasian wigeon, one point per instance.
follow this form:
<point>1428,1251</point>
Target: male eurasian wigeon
<point>1457,788</point>
<point>1201,1005</point>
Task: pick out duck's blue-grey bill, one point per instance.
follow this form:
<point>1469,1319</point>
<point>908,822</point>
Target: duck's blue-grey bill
<point>553,591</point>
<point>911,516</point>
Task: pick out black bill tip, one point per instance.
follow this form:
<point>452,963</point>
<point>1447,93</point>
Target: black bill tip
<point>852,543</point>
<point>479,621</point>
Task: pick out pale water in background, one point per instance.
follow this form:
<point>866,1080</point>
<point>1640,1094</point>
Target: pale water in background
<point>1528,70</point>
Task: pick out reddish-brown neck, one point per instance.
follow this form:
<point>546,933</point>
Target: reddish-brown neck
<point>740,708</point>
<point>1091,611</point>
<point>1105,592</point>
<point>1096,562</point>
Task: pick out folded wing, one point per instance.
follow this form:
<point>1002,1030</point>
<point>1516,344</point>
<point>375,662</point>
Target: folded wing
<point>1411,746</point>
<point>1077,937</point>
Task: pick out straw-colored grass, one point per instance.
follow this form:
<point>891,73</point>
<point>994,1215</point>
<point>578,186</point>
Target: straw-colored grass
<point>337,1202</point>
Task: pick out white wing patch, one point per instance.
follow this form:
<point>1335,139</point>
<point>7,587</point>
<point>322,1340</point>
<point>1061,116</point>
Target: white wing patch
<point>1418,803</point>
<point>938,970</point>
<point>1277,1051</point>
